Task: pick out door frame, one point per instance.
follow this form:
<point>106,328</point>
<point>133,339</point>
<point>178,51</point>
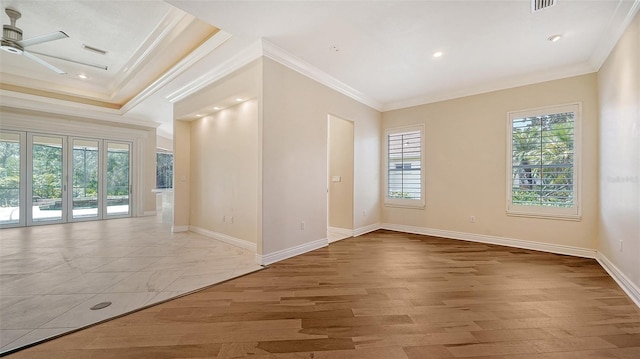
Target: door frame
<point>25,209</point>
<point>342,232</point>
<point>29,178</point>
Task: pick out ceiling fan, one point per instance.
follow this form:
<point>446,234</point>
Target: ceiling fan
<point>12,42</point>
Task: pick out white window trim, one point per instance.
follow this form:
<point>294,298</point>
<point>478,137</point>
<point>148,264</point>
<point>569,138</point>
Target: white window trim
<point>574,213</point>
<point>22,194</point>
<point>51,124</point>
<point>403,202</point>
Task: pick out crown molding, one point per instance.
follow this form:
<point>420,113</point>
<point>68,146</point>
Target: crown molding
<point>496,85</point>
<point>146,50</point>
<point>268,49</point>
<point>210,45</point>
<point>88,100</point>
<point>26,120</point>
<point>624,15</point>
<point>289,60</point>
<point>233,64</point>
<point>23,101</point>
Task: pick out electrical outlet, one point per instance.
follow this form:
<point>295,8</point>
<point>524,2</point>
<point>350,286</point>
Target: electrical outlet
<point>302,225</point>
<point>364,213</point>
<point>473,219</point>
<point>621,245</point>
<point>231,219</point>
<point>224,218</point>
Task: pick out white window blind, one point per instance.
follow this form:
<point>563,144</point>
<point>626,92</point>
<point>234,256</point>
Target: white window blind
<point>404,165</point>
<point>543,161</point>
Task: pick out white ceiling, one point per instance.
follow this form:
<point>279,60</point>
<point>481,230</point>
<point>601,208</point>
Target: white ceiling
<point>136,36</point>
<point>93,24</point>
<point>379,49</point>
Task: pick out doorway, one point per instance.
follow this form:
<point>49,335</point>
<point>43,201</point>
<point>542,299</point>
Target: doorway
<point>340,178</point>
<point>63,178</point>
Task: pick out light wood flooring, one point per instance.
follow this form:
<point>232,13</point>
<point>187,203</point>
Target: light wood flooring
<point>383,295</point>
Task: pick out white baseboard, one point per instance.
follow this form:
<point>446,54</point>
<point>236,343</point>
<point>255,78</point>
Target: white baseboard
<point>366,229</point>
<point>149,213</point>
<point>225,238</point>
<point>336,234</point>
<point>340,231</point>
<point>175,229</point>
<point>625,283</point>
<point>481,238</point>
<point>266,259</point>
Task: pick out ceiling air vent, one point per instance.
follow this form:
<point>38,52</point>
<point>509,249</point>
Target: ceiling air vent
<point>94,49</point>
<point>537,5</point>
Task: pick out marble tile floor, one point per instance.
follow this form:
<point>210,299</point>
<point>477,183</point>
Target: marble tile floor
<point>50,276</point>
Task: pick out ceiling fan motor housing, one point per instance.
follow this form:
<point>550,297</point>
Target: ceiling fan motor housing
<point>12,34</point>
<point>10,37</point>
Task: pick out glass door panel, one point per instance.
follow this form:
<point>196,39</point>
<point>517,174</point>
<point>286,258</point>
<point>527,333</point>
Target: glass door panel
<point>118,178</point>
<point>10,178</point>
<point>85,174</point>
<point>46,179</point>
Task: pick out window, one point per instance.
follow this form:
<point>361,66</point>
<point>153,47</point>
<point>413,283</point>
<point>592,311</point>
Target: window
<point>11,178</point>
<point>543,162</point>
<point>51,178</point>
<point>404,180</point>
<point>164,170</point>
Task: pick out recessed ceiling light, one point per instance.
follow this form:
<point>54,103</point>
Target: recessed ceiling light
<point>239,99</point>
<point>554,38</point>
<point>437,54</point>
<point>83,76</point>
<point>199,115</point>
<point>216,108</point>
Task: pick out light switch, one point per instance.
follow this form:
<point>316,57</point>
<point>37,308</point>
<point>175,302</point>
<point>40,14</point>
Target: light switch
<point>336,178</point>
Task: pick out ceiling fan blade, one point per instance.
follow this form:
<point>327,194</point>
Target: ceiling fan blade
<point>43,63</point>
<point>101,67</point>
<point>43,38</point>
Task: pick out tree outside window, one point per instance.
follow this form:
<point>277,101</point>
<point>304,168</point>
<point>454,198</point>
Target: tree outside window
<point>542,163</point>
<point>164,170</point>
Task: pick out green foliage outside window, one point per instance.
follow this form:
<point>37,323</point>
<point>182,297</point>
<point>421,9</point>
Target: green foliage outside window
<point>118,169</point>
<point>9,174</point>
<point>47,171</point>
<point>543,159</point>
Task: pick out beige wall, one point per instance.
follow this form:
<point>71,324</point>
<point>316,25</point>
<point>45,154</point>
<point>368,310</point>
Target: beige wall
<point>196,169</point>
<point>619,93</point>
<point>340,165</point>
<point>294,157</point>
<point>224,172</point>
<point>149,173</point>
<point>181,174</point>
<point>465,163</point>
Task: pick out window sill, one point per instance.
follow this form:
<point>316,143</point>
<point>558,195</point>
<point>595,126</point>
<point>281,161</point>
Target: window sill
<point>556,216</point>
<point>405,205</point>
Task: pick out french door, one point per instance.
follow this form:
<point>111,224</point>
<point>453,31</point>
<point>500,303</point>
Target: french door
<point>47,178</point>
